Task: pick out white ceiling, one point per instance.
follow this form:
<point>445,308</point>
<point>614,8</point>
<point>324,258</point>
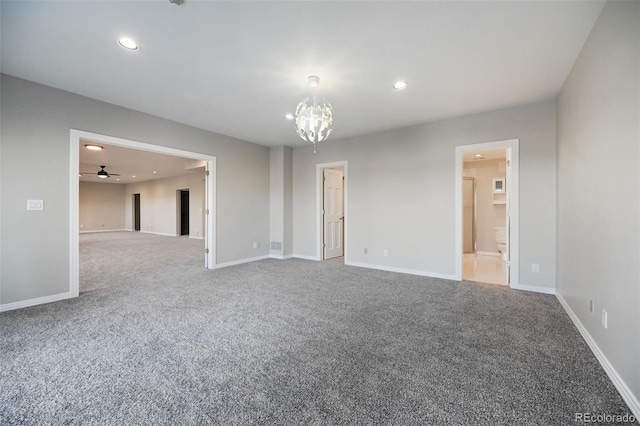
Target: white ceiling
<point>236,67</point>
<point>132,165</point>
<point>487,155</point>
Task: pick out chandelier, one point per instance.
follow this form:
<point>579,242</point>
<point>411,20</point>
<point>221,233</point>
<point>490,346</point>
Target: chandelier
<point>314,116</point>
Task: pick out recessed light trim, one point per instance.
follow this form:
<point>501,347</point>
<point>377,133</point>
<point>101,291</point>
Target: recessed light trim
<point>400,85</point>
<point>127,43</point>
<point>289,116</point>
<point>93,147</point>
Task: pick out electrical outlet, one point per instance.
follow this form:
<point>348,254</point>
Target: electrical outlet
<point>386,253</point>
<point>366,250</point>
<point>535,267</point>
<point>591,306</point>
<point>605,319</point>
<point>255,245</point>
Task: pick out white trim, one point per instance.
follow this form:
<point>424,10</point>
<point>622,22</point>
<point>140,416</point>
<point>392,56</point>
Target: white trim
<point>513,145</point>
<point>402,270</point>
<point>305,257</point>
<point>97,231</point>
<point>534,288</point>
<point>618,382</point>
<point>158,233</point>
<point>196,238</point>
<point>488,253</point>
<point>280,256</point>
<point>241,261</point>
<point>37,301</point>
<point>74,170</point>
<point>319,189</point>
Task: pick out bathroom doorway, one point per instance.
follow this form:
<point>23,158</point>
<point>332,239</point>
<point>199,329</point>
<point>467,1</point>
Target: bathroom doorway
<point>487,177</point>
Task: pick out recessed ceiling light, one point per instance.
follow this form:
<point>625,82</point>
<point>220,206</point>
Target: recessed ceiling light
<point>289,116</point>
<point>478,155</point>
<point>154,172</point>
<point>93,147</point>
<point>128,44</point>
<point>400,85</point>
<point>133,176</point>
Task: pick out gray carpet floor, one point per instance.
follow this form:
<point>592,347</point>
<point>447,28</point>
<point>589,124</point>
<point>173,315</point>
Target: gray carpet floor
<point>156,339</point>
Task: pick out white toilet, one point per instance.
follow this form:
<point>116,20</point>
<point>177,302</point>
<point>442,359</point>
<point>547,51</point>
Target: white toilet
<point>501,240</point>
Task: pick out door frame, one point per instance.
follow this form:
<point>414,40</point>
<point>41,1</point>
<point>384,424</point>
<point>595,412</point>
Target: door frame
<point>512,146</point>
<point>319,219</point>
<point>74,191</point>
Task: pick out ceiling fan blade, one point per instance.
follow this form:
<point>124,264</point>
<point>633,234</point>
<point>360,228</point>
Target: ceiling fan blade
<point>113,174</point>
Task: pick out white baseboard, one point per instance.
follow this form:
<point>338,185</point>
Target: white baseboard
<point>305,257</point>
<point>34,302</point>
<point>241,261</point>
<point>533,288</point>
<point>618,382</point>
<point>196,238</point>
<point>489,253</point>
<point>281,256</point>
<point>102,230</point>
<point>158,233</point>
<point>402,270</point>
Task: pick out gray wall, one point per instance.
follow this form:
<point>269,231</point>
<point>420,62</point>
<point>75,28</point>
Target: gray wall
<point>281,185</point>
<point>401,191</point>
<point>35,142</point>
<point>101,207</point>
<point>599,187</point>
<point>159,204</point>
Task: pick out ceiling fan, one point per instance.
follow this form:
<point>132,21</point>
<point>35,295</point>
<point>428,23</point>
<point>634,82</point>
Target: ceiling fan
<point>102,174</point>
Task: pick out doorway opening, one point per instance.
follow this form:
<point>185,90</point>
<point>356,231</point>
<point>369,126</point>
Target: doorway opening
<point>208,162</point>
<point>487,177</point>
<point>136,212</point>
<point>183,210</point>
<point>331,205</point>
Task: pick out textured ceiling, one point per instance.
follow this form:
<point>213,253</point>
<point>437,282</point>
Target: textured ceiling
<point>237,67</point>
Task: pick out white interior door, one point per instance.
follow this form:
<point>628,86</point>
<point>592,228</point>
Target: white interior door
<point>333,212</point>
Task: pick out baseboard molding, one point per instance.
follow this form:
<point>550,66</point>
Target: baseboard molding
<point>196,238</point>
<point>158,233</point>
<point>533,288</point>
<point>305,257</point>
<point>280,256</point>
<point>489,253</point>
<point>402,270</point>
<point>241,261</point>
<point>34,302</point>
<point>618,382</point>
<point>102,230</point>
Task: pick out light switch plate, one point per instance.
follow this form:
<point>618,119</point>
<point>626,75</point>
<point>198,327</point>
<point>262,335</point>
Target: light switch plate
<point>35,205</point>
